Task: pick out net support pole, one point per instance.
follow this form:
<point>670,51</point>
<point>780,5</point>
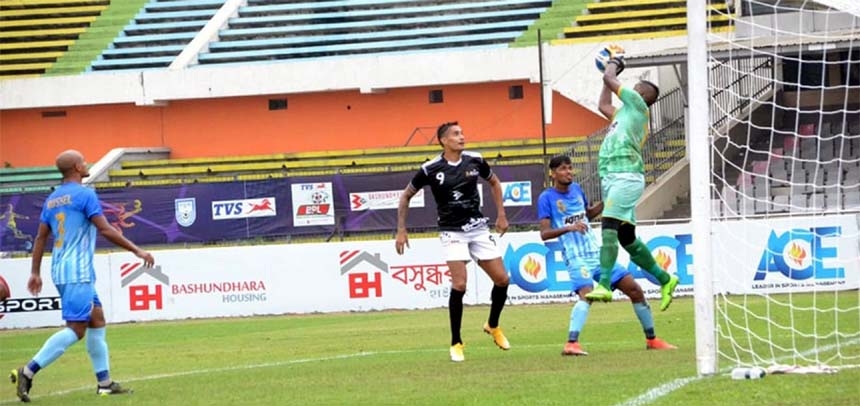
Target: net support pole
<point>699,146</point>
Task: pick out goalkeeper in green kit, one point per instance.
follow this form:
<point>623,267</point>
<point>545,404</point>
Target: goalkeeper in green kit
<point>622,178</point>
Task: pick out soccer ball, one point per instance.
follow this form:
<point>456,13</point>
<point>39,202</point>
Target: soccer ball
<point>607,53</point>
<point>319,197</point>
<point>4,290</point>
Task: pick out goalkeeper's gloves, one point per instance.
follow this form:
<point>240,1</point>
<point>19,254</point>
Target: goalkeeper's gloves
<point>619,63</point>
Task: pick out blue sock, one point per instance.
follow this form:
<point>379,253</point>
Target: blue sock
<point>98,350</point>
<point>643,312</point>
<point>577,319</point>
<point>54,347</point>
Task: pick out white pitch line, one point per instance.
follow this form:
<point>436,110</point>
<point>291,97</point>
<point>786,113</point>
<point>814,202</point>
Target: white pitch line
<point>660,391</point>
<point>656,393</point>
<point>222,369</point>
<point>251,366</point>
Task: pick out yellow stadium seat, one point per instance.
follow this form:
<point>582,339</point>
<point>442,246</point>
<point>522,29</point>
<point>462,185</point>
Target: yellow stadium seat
<point>36,45</point>
<point>54,11</point>
<point>47,22</point>
<point>16,76</point>
<point>655,23</point>
<point>30,56</point>
<point>638,35</point>
<point>413,151</point>
<point>24,66</point>
<point>42,33</point>
<point>603,5</point>
<point>31,3</point>
<point>599,18</point>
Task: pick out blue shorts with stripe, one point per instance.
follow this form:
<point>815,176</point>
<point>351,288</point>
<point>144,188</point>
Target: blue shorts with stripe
<point>584,274</point>
<point>77,300</point>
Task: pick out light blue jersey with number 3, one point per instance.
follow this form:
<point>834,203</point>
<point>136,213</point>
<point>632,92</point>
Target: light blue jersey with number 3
<point>68,211</point>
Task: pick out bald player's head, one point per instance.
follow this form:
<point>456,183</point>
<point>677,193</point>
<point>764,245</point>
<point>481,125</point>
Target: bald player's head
<point>71,164</point>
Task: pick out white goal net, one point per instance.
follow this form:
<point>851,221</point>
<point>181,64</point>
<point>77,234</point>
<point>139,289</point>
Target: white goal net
<point>783,118</point>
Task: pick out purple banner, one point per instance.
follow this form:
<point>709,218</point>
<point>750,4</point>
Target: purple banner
<point>210,212</point>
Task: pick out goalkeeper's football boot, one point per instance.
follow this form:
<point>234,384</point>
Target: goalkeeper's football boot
<point>22,384</point>
<point>666,292</point>
<point>456,353</point>
<point>498,336</point>
<point>600,294</point>
<point>573,349</point>
<point>658,344</point>
<point>113,389</point>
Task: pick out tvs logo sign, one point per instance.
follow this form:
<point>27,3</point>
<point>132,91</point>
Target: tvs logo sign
<point>143,297</point>
<point>368,280</point>
<point>246,208</point>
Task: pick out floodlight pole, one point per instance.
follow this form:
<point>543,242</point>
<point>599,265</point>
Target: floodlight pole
<point>542,103</point>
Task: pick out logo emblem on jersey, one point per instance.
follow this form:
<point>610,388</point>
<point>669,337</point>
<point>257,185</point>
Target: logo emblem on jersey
<point>456,194</point>
<point>186,211</point>
<point>471,173</point>
<point>612,127</point>
<point>585,273</point>
<point>560,205</point>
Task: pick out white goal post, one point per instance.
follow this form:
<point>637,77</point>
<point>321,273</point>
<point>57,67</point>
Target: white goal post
<point>773,133</point>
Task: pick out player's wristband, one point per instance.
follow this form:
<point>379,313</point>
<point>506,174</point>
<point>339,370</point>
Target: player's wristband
<point>619,63</point>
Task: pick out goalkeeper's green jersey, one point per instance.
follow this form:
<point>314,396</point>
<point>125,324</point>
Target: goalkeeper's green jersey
<point>621,151</point>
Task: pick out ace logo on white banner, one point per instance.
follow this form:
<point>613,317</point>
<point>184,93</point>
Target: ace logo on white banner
<point>312,204</point>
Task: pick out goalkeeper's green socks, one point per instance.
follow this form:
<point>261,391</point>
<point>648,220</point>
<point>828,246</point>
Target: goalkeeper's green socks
<point>641,255</point>
<point>608,256</point>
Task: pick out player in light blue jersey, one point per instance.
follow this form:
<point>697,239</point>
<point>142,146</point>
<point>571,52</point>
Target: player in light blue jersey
<point>564,213</point>
<point>73,215</point>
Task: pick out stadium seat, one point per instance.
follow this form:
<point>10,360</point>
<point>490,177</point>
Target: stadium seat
<point>28,179</point>
<point>156,35</point>
<point>350,48</point>
<point>35,33</point>
<point>638,19</point>
<point>265,31</point>
<point>514,152</point>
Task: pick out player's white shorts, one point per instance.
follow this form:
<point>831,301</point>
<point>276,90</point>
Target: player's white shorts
<point>476,244</point>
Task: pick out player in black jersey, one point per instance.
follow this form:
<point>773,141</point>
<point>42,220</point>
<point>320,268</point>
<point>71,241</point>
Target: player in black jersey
<point>453,179</point>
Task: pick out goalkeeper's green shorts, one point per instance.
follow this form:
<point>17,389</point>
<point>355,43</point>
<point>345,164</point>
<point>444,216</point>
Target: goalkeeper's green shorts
<point>621,192</point>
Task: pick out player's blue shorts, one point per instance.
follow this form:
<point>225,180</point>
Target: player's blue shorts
<point>584,277</point>
<point>77,300</point>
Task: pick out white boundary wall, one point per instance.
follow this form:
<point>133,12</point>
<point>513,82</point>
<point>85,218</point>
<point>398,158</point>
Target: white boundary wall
<point>349,276</point>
